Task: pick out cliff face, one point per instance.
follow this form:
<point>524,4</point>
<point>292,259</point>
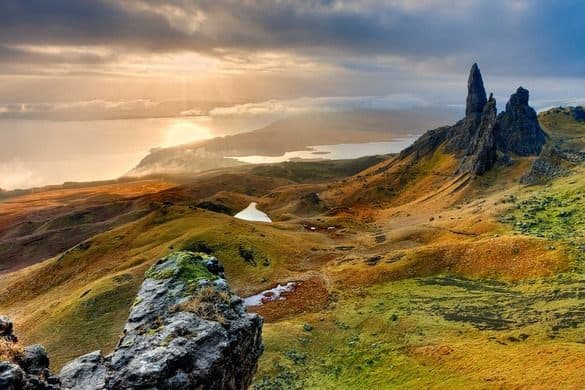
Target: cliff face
<point>476,96</point>
<point>482,137</point>
<point>186,330</point>
<point>519,130</point>
<point>481,155</point>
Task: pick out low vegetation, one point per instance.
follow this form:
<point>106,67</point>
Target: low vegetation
<point>207,303</point>
<point>406,276</point>
<point>9,351</point>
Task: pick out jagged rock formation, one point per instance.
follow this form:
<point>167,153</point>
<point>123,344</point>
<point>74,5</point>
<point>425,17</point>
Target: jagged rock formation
<point>519,131</point>
<point>462,134</point>
<point>481,153</point>
<point>476,96</point>
<point>482,138</point>
<point>186,330</point>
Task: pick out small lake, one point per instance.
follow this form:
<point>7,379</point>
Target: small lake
<point>335,152</point>
<point>251,213</point>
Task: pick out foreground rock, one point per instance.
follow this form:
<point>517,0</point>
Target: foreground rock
<point>186,330</point>
<point>26,368</point>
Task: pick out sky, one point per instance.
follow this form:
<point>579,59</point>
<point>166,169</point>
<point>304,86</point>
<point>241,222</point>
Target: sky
<point>230,64</point>
<point>116,58</point>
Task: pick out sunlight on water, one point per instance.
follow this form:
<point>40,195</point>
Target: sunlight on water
<point>274,294</point>
<point>40,152</point>
<point>184,131</point>
<point>335,152</point>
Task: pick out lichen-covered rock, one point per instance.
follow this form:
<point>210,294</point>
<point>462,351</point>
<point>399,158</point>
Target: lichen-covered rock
<point>185,331</point>
<point>85,372</point>
<point>11,376</point>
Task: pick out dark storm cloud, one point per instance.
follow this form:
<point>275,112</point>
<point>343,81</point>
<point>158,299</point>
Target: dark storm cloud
<point>539,36</point>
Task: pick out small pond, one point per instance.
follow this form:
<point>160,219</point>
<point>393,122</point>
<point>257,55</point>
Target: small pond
<point>251,213</point>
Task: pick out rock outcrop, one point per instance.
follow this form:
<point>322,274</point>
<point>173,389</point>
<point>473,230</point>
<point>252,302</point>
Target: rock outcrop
<point>26,368</point>
<point>519,130</point>
<point>576,113</point>
<point>461,135</point>
<point>551,163</point>
<point>481,154</point>
<point>186,330</point>
<point>476,96</point>
<point>483,138</point>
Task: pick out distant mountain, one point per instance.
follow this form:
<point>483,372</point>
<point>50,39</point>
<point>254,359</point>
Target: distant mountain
<point>290,134</point>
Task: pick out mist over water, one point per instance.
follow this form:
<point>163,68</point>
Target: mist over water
<point>36,152</point>
<point>39,152</point>
<point>336,152</point>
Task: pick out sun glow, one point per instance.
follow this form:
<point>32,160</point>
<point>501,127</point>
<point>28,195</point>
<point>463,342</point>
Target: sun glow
<point>183,131</point>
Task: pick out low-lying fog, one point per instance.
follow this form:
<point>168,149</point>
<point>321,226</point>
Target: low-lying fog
<point>40,152</point>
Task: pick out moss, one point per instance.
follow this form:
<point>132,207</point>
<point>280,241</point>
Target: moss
<point>162,274</point>
<point>190,267</point>
<point>556,212</point>
<point>418,333</point>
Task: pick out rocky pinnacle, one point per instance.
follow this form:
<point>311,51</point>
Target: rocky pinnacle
<point>520,132</point>
<point>476,96</point>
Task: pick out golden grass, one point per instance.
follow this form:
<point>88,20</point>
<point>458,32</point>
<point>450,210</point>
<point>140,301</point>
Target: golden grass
<point>433,224</point>
<point>9,351</point>
<point>205,302</point>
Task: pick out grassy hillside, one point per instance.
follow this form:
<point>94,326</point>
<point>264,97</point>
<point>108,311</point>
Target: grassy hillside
<point>318,171</point>
<point>408,275</point>
<point>564,128</point>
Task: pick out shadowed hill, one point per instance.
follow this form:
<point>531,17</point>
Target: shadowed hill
<point>291,134</point>
<point>443,159</point>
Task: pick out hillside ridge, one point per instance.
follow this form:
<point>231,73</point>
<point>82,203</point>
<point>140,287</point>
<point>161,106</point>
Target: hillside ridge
<point>483,138</point>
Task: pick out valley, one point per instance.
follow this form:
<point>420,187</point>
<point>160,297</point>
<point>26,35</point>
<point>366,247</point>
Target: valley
<point>434,267</point>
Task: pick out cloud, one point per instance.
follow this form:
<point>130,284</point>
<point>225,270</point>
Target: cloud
<point>319,104</point>
<point>324,30</point>
<point>99,109</point>
<point>15,175</point>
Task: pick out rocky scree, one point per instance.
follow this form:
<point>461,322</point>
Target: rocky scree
<point>186,330</point>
